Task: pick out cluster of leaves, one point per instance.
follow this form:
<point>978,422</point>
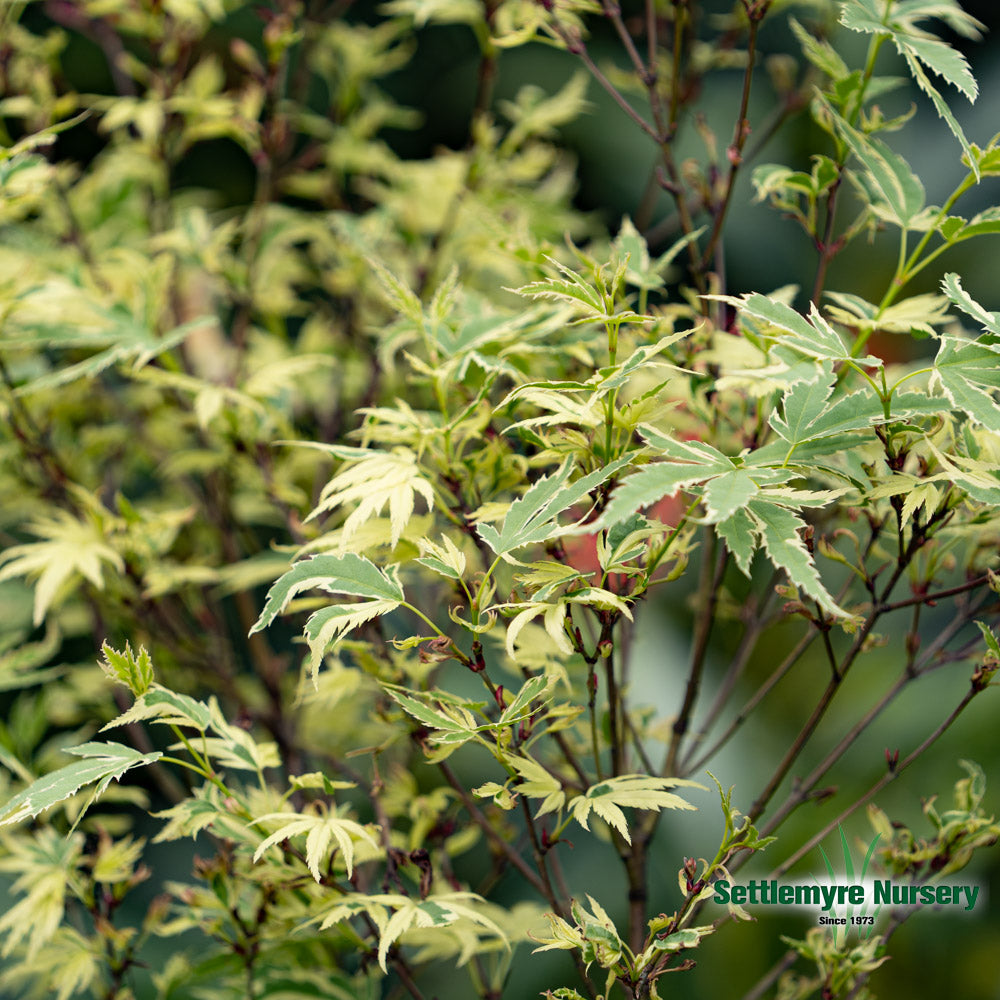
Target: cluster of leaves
<point>462,437</point>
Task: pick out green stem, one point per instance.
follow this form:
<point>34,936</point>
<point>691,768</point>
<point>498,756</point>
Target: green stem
<point>657,557</point>
<point>873,49</point>
<point>423,618</point>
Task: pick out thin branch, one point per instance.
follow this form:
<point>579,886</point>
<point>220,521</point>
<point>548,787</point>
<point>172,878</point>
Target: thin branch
<point>740,134</point>
<point>755,616</point>
<point>940,595</point>
<point>886,779</point>
<point>713,570</point>
<point>758,696</point>
<point>771,976</point>
<point>577,47</point>
<point>911,672</point>
<point>480,819</point>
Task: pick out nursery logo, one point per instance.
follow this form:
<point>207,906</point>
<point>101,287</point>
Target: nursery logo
<point>850,902</point>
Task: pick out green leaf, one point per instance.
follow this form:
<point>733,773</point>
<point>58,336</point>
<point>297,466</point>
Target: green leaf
<point>663,479</point>
<point>102,763</point>
<point>533,113</point>
<point>968,372</point>
<point>985,223</point>
<point>726,494</point>
<point>920,49</point>
<point>779,534</point>
<point>537,783</point>
<point>18,666</point>
<point>941,106</point>
<point>897,185</point>
<point>168,707</point>
<point>533,517</point>
<point>812,337</point>
<point>738,531</point>
<point>439,911</point>
<point>349,574</point>
<point>554,615</point>
<point>534,689</point>
<point>819,52</point>
<point>130,340</point>
<point>918,313</point>
<point>690,937</point>
<point>803,404</point>
<point>43,137</point>
<point>453,723</point>
<point>133,670</point>
<point>329,625</point>
<point>446,559</point>
<point>951,284</point>
<point>991,640</point>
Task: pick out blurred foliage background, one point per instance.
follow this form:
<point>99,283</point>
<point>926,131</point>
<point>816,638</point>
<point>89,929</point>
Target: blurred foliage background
<point>432,74</point>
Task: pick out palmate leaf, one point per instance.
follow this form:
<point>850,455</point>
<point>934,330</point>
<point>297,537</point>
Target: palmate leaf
<point>45,865</point>
<point>636,791</point>
<point>377,479</point>
<point>348,574</point>
<point>82,323</point>
<point>394,914</point>
<point>445,559</point>
<point>918,491</point>
<point>592,302</point>
<point>828,432</point>
<point>696,462</point>
<point>767,521</point>
<point>533,517</point>
<point>967,373</point>
<point>534,693</point>
<point>537,783</point>
<point>554,614</point>
<point>810,338</point>
<point>452,724</point>
<point>70,548</point>
<point>168,707</point>
<point>897,186</point>
<point>102,763</point>
<point>921,50</point>
<point>750,504</point>
<point>918,313</point>
<point>778,530</point>
<point>329,625</point>
<point>321,831</point>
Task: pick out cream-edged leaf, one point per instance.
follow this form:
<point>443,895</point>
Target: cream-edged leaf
<point>320,832</point>
<point>636,791</point>
<point>102,763</point>
<point>329,625</point>
<point>537,783</point>
<point>371,483</point>
<point>347,574</point>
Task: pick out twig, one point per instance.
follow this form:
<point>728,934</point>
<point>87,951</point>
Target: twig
<point>886,779</point>
<point>479,818</point>
<point>713,570</point>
